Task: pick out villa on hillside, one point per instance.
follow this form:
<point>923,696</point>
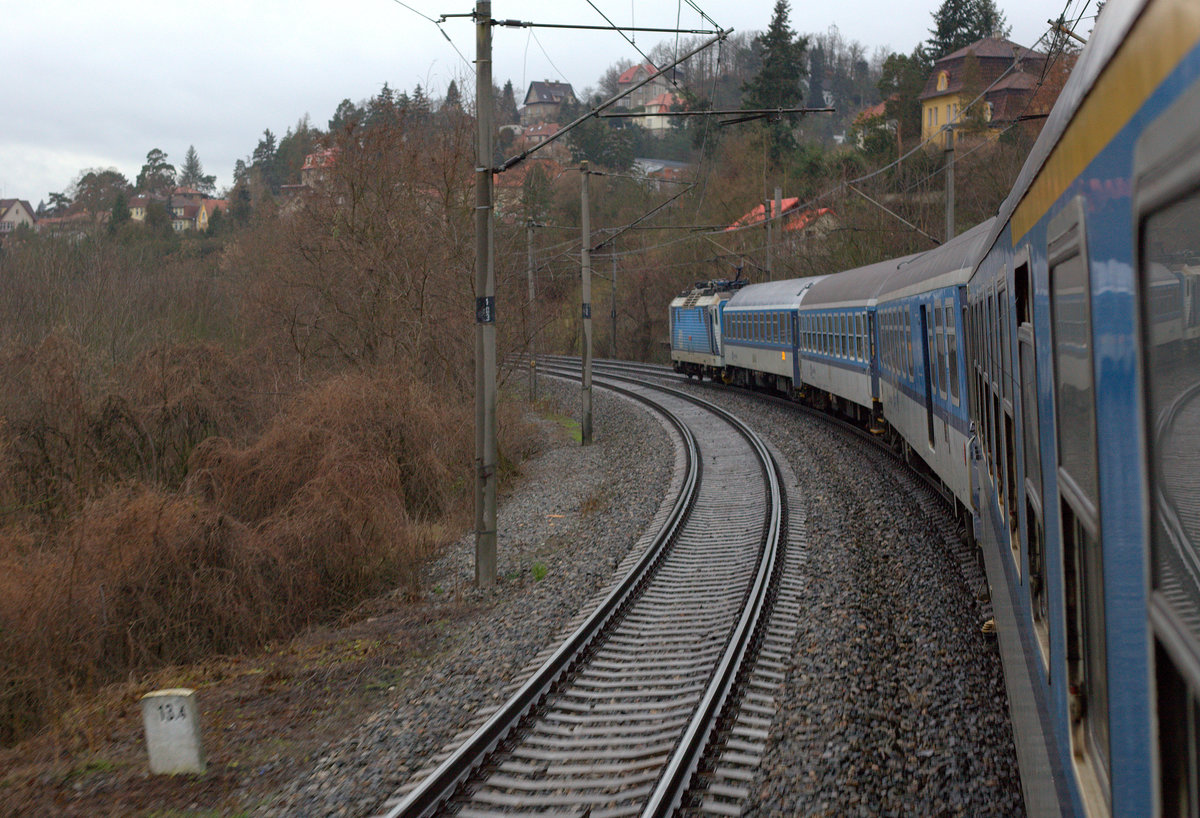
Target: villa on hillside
<point>1006,71</point>
<point>543,101</point>
<point>13,214</point>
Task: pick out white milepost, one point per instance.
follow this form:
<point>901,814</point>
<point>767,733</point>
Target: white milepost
<point>173,731</point>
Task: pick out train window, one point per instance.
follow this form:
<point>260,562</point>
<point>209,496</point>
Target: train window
<point>1078,495</point>
<point>1005,348</point>
<point>1039,600</point>
<point>1170,265</point>
<point>893,357</point>
<point>889,342</point>
<point>1083,577</point>
<point>896,342</point>
<point>885,340</point>
<point>908,345</point>
<point>931,330</point>
<point>1076,405</point>
<point>897,364</point>
<point>951,351</point>
<point>940,323</point>
<point>1178,738</point>
<point>1167,199</point>
<point>989,335</point>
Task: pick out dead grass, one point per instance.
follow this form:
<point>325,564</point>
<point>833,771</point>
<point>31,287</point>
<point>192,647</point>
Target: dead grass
<point>343,496</point>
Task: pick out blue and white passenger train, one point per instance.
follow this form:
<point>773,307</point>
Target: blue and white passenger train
<point>1065,333</point>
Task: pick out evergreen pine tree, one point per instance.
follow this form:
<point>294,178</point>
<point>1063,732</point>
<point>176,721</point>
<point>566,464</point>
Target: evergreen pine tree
<point>958,23</point>
<point>347,116</point>
<point>777,84</point>
<point>263,160</point>
<point>508,114</point>
<point>453,101</point>
<point>120,213</point>
<point>192,173</point>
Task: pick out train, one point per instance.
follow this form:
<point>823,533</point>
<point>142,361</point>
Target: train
<point>1044,367</point>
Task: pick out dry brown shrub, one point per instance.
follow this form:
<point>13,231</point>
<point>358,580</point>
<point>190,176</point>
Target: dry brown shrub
<point>69,432</point>
<point>139,579</point>
<point>409,439</point>
<point>45,400</point>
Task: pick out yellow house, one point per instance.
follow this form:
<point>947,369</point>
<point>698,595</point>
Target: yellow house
<point>1007,71</point>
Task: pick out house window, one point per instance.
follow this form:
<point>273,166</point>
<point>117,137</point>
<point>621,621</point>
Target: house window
<point>943,80</point>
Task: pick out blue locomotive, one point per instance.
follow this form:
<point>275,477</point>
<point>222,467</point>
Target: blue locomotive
<point>1064,335</point>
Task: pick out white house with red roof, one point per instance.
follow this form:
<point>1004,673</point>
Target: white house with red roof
<point>13,214</point>
<point>660,105</point>
<point>642,97</point>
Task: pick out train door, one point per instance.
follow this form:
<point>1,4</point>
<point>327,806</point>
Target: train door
<point>1035,529</point>
<point>1167,205</point>
<point>1078,501</point>
<point>924,329</point>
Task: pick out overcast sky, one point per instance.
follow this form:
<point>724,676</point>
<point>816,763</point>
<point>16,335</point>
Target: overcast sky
<point>98,84</point>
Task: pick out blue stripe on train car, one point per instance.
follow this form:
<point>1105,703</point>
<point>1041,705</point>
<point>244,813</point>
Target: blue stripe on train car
<point>691,332</point>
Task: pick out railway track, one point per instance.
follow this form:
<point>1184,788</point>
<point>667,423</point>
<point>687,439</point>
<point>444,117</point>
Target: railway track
<point>672,675</point>
<point>923,488</point>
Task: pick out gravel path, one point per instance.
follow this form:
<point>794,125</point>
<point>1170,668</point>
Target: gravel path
<point>574,516</point>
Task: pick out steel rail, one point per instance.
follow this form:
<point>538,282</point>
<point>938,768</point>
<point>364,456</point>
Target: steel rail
<point>441,784</point>
<point>676,777</point>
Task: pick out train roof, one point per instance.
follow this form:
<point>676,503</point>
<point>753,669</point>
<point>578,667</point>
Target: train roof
<point>781,294</point>
<point>944,266</point>
<point>1112,26</point>
<point>856,287</point>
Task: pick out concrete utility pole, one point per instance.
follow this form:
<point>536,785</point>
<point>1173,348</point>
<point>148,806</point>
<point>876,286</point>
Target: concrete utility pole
<point>530,346</point>
<point>949,183</point>
<point>614,304</point>
<point>767,220</point>
<point>585,426</point>
<point>777,214</point>
<point>485,308</point>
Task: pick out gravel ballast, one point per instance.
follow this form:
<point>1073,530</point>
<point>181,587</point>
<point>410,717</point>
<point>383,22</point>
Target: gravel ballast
<point>894,702</point>
<point>571,519</point>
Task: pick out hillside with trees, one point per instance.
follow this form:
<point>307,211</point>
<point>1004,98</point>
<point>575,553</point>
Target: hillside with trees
<point>264,425</point>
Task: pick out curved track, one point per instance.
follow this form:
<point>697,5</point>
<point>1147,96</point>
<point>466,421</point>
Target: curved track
<point>617,720</point>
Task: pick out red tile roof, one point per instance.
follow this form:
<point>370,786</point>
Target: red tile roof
<point>629,73</point>
<point>797,220</point>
